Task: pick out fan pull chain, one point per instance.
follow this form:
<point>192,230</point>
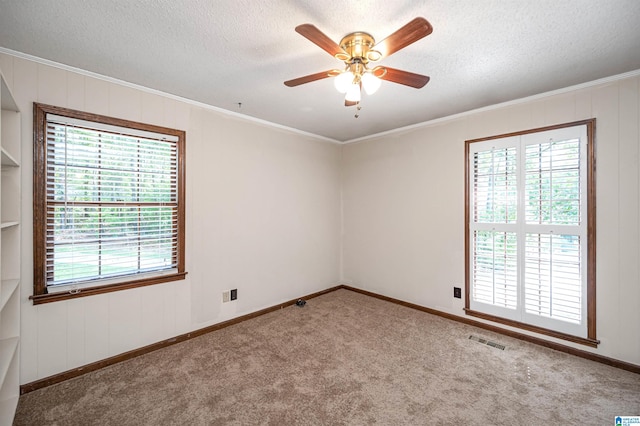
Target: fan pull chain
<point>358,108</point>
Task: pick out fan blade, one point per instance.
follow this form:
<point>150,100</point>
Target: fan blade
<point>405,77</point>
<point>410,33</point>
<point>317,37</point>
<point>308,78</point>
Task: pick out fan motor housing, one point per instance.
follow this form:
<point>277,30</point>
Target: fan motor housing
<point>358,45</point>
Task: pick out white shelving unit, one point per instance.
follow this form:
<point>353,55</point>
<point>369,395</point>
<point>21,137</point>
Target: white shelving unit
<point>10,198</point>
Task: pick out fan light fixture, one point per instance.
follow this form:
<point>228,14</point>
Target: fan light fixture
<point>370,83</point>
<point>353,93</point>
<point>343,81</point>
<point>347,79</point>
<point>357,50</point>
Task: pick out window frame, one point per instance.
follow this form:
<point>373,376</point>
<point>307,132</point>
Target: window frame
<point>40,291</point>
<point>590,339</point>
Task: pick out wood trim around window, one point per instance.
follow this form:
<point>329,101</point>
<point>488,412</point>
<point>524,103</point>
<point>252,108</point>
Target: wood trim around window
<point>40,293</point>
<point>591,339</point>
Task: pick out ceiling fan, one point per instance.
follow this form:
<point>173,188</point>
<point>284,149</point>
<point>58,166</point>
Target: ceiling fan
<point>357,50</point>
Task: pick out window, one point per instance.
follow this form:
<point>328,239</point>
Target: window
<point>530,233</point>
<point>108,204</point>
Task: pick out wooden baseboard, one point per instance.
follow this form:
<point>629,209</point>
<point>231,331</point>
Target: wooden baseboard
<point>521,336</point>
<point>79,371</point>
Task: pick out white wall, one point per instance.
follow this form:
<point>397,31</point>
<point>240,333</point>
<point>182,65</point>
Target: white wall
<point>263,216</point>
<point>403,206</point>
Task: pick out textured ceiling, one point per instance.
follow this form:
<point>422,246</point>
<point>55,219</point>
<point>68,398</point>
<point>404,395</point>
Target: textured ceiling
<point>225,52</point>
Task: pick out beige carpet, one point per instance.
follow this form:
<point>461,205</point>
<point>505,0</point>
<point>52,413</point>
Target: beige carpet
<point>343,359</point>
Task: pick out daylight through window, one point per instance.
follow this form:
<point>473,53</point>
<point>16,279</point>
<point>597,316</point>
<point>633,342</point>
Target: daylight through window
<point>110,203</point>
<point>530,230</point>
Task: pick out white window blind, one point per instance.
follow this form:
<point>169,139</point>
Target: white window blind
<point>111,202</point>
<point>495,269</point>
<point>553,282</point>
<point>528,228</point>
<point>495,185</point>
<point>554,193</point>
<point>553,182</point>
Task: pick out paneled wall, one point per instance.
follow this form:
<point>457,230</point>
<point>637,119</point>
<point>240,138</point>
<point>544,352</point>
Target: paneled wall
<point>278,214</point>
<point>403,206</point>
<point>263,216</point>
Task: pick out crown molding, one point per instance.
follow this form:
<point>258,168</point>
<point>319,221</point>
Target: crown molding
<point>259,121</point>
<point>203,105</point>
<point>539,96</point>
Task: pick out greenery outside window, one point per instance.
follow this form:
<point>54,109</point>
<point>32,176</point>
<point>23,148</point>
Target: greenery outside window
<point>108,204</point>
<point>530,230</point>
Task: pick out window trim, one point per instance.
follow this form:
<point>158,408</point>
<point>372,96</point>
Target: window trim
<point>40,294</point>
<point>591,339</point>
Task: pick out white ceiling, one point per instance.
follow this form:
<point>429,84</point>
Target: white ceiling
<point>225,52</point>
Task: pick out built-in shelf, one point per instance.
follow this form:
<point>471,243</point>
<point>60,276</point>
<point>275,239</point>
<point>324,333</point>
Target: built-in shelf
<point>8,348</point>
<point>6,225</point>
<point>10,264</point>
<point>7,98</point>
<point>8,287</point>
<point>8,160</point>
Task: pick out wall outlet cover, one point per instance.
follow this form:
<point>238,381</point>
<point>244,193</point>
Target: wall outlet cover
<point>457,292</point>
<point>234,294</point>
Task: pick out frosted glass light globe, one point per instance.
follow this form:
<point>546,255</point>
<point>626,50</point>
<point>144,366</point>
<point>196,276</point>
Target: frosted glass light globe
<point>353,93</point>
<point>371,83</point>
<point>343,81</point>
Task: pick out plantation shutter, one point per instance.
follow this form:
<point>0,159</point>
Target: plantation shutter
<point>494,268</point>
<point>111,202</point>
<point>528,230</point>
<point>555,194</point>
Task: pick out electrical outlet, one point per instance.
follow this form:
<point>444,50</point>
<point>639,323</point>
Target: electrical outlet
<point>234,294</point>
<point>457,292</point>
<point>225,296</point>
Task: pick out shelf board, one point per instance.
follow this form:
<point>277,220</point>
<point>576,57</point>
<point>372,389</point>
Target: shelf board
<point>8,348</point>
<point>8,101</point>
<point>6,225</point>
<point>8,288</point>
<point>8,160</point>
